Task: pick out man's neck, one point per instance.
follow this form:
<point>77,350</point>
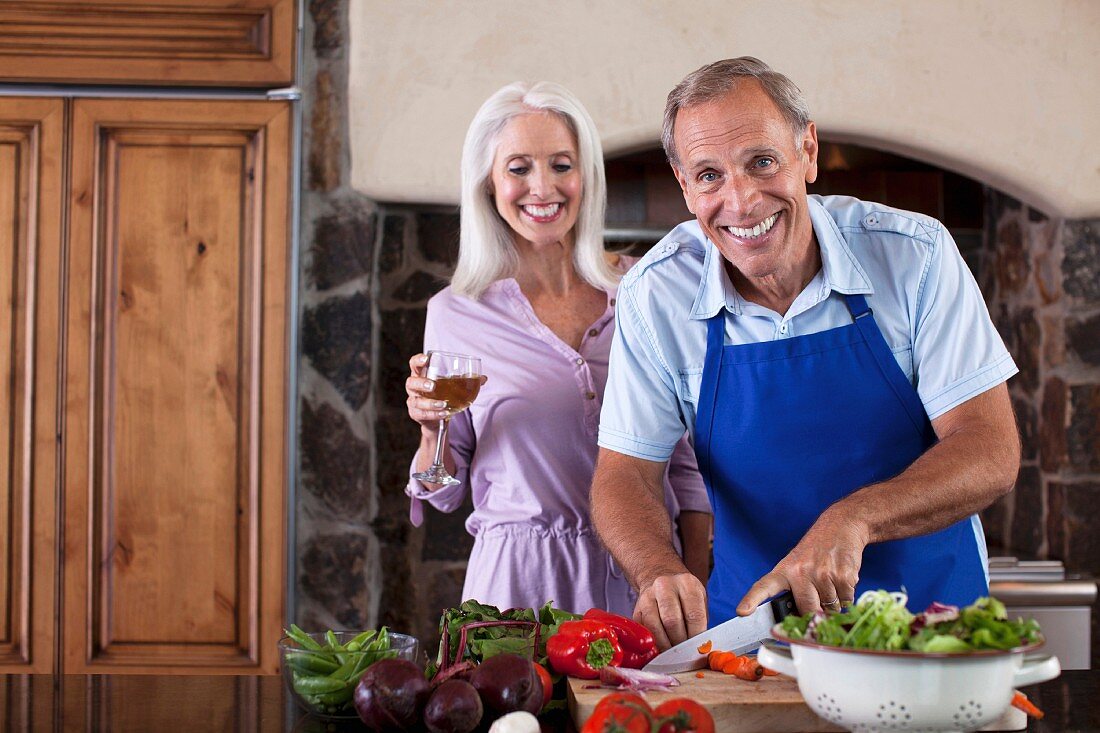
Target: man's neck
<point>778,290</point>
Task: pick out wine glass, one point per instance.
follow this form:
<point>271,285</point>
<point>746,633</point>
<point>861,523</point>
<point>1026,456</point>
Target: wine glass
<point>457,379</point>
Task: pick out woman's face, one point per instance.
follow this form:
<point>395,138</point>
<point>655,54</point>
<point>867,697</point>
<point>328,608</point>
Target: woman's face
<point>536,183</point>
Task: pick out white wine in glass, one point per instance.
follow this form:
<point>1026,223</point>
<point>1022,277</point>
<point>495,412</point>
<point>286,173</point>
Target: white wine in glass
<point>457,379</point>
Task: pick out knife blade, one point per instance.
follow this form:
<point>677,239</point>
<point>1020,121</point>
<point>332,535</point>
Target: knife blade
<point>740,635</point>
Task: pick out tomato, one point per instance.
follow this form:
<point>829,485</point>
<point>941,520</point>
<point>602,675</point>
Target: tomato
<point>620,712</point>
<point>618,698</point>
<point>547,684</point>
<point>685,715</point>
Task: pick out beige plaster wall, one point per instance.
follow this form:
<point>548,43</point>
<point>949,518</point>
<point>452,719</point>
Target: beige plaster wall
<point>1006,91</point>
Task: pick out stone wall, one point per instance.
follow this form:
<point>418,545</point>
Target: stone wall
<point>1041,278</point>
<point>337,551</point>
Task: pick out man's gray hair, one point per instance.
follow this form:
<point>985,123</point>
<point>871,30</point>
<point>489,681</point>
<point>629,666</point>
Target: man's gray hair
<point>718,79</point>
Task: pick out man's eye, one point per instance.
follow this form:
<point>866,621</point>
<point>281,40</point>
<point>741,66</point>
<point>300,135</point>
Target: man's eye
<point>763,163</point>
<point>518,170</point>
<point>708,177</point>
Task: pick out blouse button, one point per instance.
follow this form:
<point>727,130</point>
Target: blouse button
<point>592,332</point>
<point>579,361</point>
<point>590,395</point>
<point>612,301</point>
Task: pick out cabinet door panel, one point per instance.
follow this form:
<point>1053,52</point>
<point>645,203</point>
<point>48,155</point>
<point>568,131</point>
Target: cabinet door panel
<point>174,453</point>
<point>30,246</point>
<point>206,42</point>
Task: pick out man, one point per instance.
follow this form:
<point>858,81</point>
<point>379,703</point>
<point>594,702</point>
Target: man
<point>834,362</point>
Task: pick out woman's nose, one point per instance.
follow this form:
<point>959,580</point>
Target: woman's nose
<point>540,182</point>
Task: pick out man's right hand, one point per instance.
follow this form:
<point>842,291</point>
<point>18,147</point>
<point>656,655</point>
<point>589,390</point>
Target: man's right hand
<point>673,607</point>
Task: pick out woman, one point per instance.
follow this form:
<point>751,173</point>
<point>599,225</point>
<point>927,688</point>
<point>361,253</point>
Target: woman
<point>533,295</point>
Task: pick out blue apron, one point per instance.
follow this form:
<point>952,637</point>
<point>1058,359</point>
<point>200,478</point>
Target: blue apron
<point>786,428</point>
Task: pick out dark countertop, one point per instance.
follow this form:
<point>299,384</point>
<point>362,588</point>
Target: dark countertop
<point>226,703</point>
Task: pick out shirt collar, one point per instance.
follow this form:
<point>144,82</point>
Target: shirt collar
<point>840,269</point>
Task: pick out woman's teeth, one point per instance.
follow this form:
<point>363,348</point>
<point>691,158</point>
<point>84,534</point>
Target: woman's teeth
<point>755,231</point>
<point>541,212</point>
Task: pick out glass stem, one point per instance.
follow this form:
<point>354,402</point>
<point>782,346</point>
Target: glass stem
<point>442,441</point>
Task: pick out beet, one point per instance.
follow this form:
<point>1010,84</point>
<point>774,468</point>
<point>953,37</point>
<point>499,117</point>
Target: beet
<point>454,707</point>
<point>390,695</point>
<point>508,683</point>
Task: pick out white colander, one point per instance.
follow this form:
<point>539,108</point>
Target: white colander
<point>868,690</point>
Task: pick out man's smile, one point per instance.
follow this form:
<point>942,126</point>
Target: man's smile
<point>753,231</point>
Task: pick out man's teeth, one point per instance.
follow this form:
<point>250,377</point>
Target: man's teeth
<point>755,231</point>
<point>541,212</point>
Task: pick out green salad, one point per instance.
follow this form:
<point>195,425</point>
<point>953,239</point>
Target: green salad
<point>880,620</point>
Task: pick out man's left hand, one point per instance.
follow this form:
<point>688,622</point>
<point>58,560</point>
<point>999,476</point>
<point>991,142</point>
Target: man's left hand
<point>821,571</point>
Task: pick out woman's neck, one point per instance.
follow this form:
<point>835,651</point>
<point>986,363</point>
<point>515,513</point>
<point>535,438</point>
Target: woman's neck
<point>546,269</point>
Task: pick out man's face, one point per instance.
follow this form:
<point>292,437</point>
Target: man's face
<point>744,177</point>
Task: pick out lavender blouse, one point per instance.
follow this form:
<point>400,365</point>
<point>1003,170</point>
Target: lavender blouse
<point>526,449</point>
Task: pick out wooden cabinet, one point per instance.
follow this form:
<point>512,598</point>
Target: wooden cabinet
<point>229,43</point>
<point>31,134</point>
<point>165,413</point>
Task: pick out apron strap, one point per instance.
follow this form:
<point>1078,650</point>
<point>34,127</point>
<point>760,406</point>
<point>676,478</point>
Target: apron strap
<point>864,319</point>
<point>708,391</point>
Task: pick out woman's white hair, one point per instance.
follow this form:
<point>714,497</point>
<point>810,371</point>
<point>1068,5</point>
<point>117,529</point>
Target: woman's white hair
<point>486,252</point>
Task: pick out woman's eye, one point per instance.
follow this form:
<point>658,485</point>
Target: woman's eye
<point>518,170</point>
<point>563,167</point>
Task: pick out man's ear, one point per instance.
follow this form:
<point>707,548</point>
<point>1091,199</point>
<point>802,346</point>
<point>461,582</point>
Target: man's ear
<point>810,149</point>
<point>682,180</point>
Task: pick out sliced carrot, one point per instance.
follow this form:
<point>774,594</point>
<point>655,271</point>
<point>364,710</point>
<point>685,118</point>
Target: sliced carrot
<point>716,659</point>
<point>700,675</point>
<point>704,648</point>
<point>746,668</point>
<point>1019,700</point>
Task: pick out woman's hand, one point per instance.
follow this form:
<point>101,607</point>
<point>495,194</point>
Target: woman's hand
<point>422,407</point>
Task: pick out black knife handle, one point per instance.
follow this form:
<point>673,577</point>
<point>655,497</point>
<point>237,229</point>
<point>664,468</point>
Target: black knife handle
<point>783,606</point>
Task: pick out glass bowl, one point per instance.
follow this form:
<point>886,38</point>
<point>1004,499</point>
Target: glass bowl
<point>322,680</point>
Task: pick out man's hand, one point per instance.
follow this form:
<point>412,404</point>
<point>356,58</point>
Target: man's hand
<point>821,571</point>
<point>673,607</point>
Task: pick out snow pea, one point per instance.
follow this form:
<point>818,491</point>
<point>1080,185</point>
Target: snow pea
<point>310,663</point>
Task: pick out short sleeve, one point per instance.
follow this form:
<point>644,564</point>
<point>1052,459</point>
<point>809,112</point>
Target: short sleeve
<point>957,352</point>
<point>460,438</point>
<point>640,415</point>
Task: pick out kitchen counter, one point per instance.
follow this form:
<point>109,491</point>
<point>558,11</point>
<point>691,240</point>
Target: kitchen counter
<point>157,703</point>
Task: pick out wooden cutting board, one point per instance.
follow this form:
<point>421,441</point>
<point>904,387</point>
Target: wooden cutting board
<point>771,705</point>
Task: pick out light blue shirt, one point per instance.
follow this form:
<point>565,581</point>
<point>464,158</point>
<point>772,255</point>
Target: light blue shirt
<point>924,298</point>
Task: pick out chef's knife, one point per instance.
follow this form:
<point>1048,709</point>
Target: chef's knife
<point>740,635</point>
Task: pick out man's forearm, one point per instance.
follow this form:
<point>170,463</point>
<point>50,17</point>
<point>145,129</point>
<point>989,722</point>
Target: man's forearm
<point>974,463</point>
<point>630,516</point>
<point>695,539</point>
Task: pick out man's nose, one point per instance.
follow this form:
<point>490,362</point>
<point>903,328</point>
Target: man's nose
<point>743,197</point>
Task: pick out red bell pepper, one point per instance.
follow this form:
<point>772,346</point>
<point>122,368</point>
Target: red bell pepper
<point>638,644</point>
<point>580,648</point>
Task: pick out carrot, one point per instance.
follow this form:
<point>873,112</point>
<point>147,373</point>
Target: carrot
<point>704,648</point>
<point>746,668</point>
<point>716,659</point>
<point>1019,700</point>
<point>700,675</point>
<point>770,672</point>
